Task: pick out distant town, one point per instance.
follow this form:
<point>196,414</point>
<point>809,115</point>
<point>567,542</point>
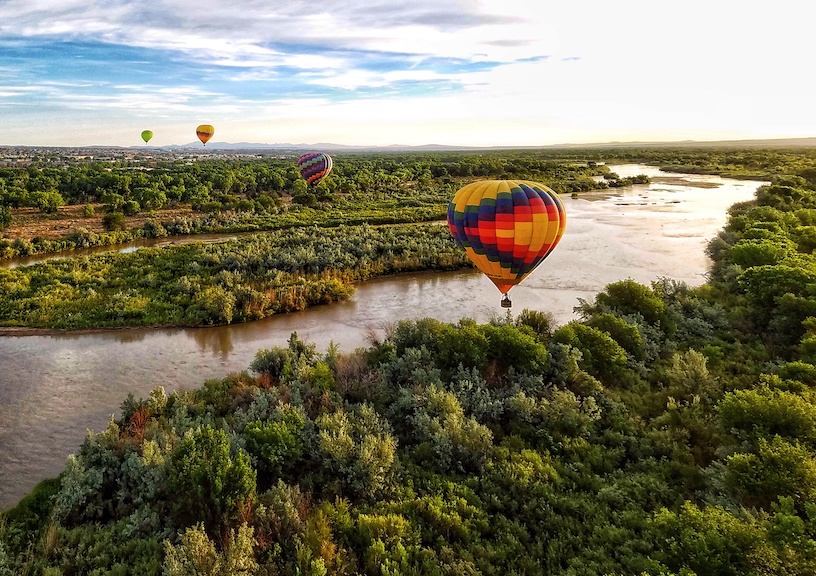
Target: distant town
<point>15,156</point>
<point>21,156</point>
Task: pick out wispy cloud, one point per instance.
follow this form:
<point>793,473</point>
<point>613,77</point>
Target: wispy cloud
<point>359,65</point>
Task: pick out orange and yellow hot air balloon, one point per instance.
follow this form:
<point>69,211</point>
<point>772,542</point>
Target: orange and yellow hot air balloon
<point>507,228</point>
<point>205,132</point>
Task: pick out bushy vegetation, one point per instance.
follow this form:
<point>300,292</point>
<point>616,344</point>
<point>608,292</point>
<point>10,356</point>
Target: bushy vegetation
<point>653,437</point>
<point>670,431</point>
<point>219,283</point>
<point>253,194</point>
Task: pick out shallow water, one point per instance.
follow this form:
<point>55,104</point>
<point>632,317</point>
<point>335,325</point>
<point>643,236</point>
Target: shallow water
<point>54,388</point>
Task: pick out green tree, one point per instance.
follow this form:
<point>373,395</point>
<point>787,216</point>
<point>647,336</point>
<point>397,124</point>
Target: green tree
<point>601,355</point>
<point>5,217</point>
<point>196,554</point>
<point>277,445</point>
<point>48,201</point>
<point>114,221</point>
<point>709,540</point>
<point>622,332</point>
<point>764,252</point>
<point>778,468</point>
<point>210,482</point>
<point>131,207</point>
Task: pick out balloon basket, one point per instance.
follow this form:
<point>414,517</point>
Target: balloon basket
<point>506,302</point>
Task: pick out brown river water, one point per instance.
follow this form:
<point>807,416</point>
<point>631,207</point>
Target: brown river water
<point>54,388</point>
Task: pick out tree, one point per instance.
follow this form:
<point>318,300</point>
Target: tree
<point>628,297</point>
<point>601,354</point>
<point>48,201</point>
<point>777,468</point>
<point>210,483</point>
<point>114,221</point>
<point>764,284</point>
<point>277,445</point>
<point>708,540</point>
<point>131,207</point>
<point>196,554</point>
<point>622,332</point>
<point>5,217</point>
<point>761,252</point>
<point>765,412</point>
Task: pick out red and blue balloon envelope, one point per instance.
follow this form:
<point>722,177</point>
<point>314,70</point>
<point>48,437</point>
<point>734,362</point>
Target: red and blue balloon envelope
<point>507,227</point>
<point>314,167</point>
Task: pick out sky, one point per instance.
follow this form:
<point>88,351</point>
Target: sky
<point>404,72</point>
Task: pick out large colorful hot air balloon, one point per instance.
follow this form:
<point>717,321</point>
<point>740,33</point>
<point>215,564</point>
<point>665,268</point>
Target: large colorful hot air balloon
<point>147,135</point>
<point>314,167</point>
<point>205,132</point>
<point>507,228</point>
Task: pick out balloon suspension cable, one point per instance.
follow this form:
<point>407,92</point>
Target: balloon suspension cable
<point>505,302</point>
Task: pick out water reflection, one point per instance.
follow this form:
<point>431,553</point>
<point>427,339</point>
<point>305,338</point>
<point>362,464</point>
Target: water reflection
<point>52,388</point>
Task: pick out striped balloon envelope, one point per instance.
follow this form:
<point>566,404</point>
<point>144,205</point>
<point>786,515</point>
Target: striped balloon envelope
<point>205,132</point>
<point>507,227</point>
<point>314,167</point>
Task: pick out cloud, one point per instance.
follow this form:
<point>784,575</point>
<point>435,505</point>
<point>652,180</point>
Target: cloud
<point>397,71</point>
<point>240,30</point>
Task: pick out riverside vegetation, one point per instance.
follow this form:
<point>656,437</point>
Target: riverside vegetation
<point>320,240</point>
<point>669,431</point>
<point>219,283</point>
<point>153,198</point>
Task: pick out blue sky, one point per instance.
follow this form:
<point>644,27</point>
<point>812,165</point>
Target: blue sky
<point>382,72</point>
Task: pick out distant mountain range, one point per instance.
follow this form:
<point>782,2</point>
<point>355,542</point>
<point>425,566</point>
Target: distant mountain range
<point>328,147</point>
<point>320,146</point>
<point>764,143</point>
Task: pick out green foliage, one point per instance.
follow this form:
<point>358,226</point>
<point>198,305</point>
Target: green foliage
<point>710,541</point>
<point>114,221</point>
<point>357,452</point>
<point>687,379</point>
<point>540,323</point>
<point>765,412</point>
<point>765,252</point>
<point>625,334</point>
<point>206,284</point>
<point>196,554</point>
<point>47,201</point>
<point>131,207</point>
<point>629,297</point>
<point>210,484</point>
<point>5,217</point>
<point>26,523</point>
<point>444,448</point>
<point>765,284</point>
<point>600,354</point>
<point>777,468</point>
<point>272,362</point>
<point>452,440</point>
<point>278,445</point>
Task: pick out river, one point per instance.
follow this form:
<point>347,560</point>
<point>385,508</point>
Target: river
<point>54,388</point>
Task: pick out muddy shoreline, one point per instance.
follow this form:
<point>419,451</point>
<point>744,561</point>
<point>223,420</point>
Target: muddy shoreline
<point>11,331</point>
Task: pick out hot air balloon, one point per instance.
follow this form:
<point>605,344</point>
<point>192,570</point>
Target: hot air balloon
<point>507,228</point>
<point>147,135</point>
<point>314,167</point>
<point>205,132</point>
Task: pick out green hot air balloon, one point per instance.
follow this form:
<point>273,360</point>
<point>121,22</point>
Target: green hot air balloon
<point>147,135</point>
